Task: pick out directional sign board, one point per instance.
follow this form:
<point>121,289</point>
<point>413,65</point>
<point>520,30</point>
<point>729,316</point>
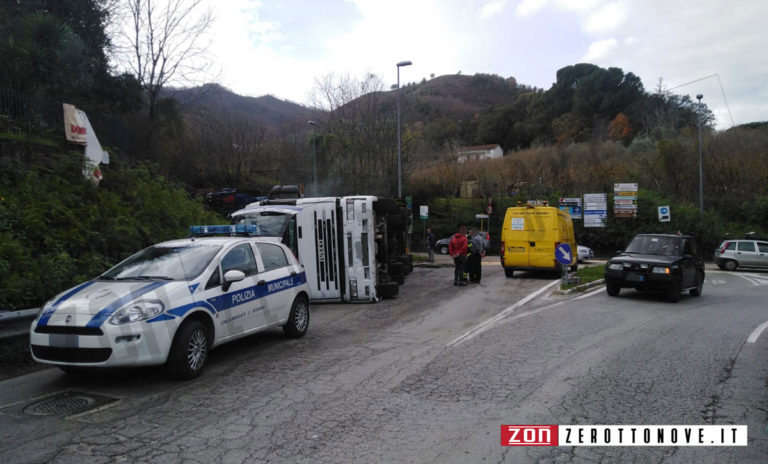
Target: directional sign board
<point>423,212</point>
<point>563,254</point>
<point>664,215</point>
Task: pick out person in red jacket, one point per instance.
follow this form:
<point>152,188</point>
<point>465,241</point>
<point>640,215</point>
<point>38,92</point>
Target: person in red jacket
<point>458,250</point>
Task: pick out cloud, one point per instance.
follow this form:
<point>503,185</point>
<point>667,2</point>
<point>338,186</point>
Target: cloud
<point>529,7</point>
<point>492,8</point>
<point>608,18</point>
<point>599,50</point>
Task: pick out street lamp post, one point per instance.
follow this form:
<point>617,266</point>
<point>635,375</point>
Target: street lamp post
<point>399,149</point>
<point>314,159</point>
<point>701,158</point>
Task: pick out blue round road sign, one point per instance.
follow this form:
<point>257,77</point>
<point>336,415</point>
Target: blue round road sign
<point>563,254</point>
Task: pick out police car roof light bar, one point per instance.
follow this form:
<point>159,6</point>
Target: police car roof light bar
<point>232,230</point>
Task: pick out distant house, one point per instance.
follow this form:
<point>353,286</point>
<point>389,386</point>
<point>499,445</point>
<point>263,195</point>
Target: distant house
<point>480,153</point>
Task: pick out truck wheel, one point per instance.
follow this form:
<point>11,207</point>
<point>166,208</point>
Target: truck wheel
<point>699,285</point>
<point>612,290</point>
<point>298,319</point>
<point>730,265</point>
<point>189,351</point>
<point>396,268</point>
<point>387,290</point>
<point>673,293</point>
<point>509,273</point>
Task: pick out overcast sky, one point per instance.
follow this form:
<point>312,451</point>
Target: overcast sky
<point>280,47</point>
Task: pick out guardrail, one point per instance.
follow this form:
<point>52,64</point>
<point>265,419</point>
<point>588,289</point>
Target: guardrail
<point>14,323</point>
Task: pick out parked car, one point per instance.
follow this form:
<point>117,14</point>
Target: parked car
<point>733,254</point>
<point>667,263</point>
<point>172,302</point>
<point>585,253</point>
<point>441,246</point>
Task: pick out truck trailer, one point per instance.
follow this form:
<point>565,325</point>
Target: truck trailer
<point>353,248</point>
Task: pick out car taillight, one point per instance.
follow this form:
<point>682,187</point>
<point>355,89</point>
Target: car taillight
<point>502,251</point>
<point>725,245</point>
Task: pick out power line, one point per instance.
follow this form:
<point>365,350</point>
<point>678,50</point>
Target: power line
<point>722,90</point>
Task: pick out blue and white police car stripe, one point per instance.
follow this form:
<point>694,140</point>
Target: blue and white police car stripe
<point>110,309</point>
<point>49,312</point>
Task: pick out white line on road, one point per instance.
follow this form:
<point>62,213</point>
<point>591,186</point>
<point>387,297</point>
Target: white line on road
<point>755,281</point>
<point>756,333</point>
<point>587,295</point>
<point>487,324</point>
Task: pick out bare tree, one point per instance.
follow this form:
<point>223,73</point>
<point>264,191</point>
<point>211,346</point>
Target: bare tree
<point>162,41</point>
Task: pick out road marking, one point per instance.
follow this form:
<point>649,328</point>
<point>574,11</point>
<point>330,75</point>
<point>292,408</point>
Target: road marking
<point>487,324</point>
<point>756,333</point>
<point>587,295</point>
<point>749,278</point>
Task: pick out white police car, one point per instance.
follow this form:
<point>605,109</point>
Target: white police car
<point>174,301</point>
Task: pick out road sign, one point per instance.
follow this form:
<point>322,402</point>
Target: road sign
<point>423,212</point>
<point>563,254</point>
<point>409,202</point>
<point>664,214</point>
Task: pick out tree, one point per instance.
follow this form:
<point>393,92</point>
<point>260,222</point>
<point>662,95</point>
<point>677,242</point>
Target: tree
<point>619,128</point>
<point>161,43</point>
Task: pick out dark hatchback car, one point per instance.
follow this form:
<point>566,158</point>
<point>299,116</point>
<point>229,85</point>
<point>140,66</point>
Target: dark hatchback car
<point>667,263</point>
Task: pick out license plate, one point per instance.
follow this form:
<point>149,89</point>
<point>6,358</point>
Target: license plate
<point>632,277</point>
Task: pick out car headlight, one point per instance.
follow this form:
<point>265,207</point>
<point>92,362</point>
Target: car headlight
<point>615,266</point>
<point>660,270</point>
<point>137,311</point>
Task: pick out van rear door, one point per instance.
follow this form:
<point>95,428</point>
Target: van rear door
<point>542,230</point>
<point>518,239</point>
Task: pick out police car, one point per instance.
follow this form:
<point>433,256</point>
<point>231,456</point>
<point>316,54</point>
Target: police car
<point>174,301</point>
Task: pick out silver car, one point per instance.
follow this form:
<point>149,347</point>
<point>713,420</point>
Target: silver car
<point>732,254</point>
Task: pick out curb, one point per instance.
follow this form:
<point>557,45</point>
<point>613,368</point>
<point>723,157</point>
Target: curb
<point>580,288</point>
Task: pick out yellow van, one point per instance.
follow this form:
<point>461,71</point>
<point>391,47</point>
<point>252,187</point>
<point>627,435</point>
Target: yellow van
<point>530,235</point>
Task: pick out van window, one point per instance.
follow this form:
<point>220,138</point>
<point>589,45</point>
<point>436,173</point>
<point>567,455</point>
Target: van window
<point>746,246</point>
<point>272,256</point>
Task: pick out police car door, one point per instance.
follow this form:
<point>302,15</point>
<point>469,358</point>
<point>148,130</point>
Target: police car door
<point>279,279</point>
<point>238,305</point>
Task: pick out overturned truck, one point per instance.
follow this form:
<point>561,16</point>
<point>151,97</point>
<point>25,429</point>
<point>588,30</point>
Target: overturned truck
<point>354,249</point>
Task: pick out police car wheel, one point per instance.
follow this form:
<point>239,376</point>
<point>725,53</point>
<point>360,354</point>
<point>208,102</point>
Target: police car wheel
<point>298,320</point>
<point>189,352</point>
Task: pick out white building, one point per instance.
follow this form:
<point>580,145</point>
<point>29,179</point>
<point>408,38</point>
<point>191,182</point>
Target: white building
<point>480,153</point>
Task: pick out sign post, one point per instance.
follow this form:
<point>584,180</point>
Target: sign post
<point>424,215</point>
<point>563,256</point>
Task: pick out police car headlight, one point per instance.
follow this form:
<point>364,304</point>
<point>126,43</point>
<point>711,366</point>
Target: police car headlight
<point>615,266</point>
<point>137,311</point>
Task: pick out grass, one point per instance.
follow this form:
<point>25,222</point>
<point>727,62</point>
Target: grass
<point>587,274</point>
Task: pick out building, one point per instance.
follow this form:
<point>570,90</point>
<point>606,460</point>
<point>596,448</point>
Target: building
<point>480,153</point>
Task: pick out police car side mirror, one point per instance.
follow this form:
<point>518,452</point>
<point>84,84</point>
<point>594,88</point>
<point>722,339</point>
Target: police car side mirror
<point>232,276</point>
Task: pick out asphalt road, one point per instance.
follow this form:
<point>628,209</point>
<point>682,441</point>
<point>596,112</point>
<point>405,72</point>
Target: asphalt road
<point>431,377</point>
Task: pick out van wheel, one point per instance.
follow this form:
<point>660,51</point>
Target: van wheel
<point>298,319</point>
<point>509,272</point>
<point>613,290</point>
<point>699,285</point>
<point>730,265</point>
<point>189,351</point>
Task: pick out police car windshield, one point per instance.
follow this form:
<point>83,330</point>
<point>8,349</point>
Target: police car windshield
<point>164,263</point>
<point>268,223</point>
<point>654,245</point>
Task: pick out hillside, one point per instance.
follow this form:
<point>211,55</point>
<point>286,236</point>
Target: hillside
<point>267,110</point>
